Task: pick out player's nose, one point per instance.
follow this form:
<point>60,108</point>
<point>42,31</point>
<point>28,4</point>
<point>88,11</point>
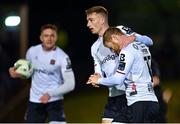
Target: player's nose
<point>88,24</point>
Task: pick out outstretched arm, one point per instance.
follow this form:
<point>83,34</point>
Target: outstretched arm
<point>141,38</point>
<point>144,39</point>
<point>97,65</point>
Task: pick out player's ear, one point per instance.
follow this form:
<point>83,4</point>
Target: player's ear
<point>40,37</point>
<point>102,19</point>
<point>114,37</point>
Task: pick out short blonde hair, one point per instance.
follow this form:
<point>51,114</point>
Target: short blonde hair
<point>107,36</point>
<point>98,9</point>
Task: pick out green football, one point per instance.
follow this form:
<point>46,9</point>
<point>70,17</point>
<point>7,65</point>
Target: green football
<point>24,67</point>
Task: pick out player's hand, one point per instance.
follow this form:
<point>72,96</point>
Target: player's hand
<point>89,82</point>
<point>94,85</point>
<point>13,73</point>
<point>97,74</point>
<point>44,98</point>
<point>93,79</point>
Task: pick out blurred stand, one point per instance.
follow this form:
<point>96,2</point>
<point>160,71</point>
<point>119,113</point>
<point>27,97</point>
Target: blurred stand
<point>13,45</point>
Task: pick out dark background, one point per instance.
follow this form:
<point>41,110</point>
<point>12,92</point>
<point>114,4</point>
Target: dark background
<point>158,19</point>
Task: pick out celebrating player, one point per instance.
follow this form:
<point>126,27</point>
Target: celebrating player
<point>105,61</point>
<point>134,70</point>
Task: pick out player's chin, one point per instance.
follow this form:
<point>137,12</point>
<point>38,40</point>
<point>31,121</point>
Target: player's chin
<point>94,32</point>
<point>50,46</point>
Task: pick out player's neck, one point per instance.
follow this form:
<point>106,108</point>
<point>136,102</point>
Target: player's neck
<point>48,49</point>
<point>126,41</point>
<point>104,28</point>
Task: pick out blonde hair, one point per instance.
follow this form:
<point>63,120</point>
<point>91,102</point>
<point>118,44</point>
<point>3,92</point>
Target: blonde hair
<point>98,9</point>
<point>107,36</point>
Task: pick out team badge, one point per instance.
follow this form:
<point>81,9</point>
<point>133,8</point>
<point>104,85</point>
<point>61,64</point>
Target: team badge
<point>52,62</point>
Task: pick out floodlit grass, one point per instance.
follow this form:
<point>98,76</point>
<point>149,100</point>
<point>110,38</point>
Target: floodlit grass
<point>85,106</point>
<point>173,114</point>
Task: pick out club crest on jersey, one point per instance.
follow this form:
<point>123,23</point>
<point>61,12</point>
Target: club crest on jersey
<point>53,61</point>
<point>121,66</point>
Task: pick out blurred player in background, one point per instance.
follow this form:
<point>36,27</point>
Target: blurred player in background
<point>105,61</point>
<point>52,78</point>
<point>159,93</point>
<point>134,70</point>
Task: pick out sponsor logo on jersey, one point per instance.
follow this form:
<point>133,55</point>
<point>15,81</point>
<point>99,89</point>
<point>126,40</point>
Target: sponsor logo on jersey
<point>43,71</point>
<point>108,58</point>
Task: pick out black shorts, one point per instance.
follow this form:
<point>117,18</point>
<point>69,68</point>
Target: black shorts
<point>143,112</point>
<point>39,113</point>
<point>115,106</point>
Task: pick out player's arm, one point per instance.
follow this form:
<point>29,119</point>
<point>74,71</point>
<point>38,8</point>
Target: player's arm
<point>68,78</point>
<point>144,39</point>
<point>97,65</point>
<point>125,64</point>
<point>141,38</point>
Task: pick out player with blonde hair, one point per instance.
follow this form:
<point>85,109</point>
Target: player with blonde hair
<point>105,61</point>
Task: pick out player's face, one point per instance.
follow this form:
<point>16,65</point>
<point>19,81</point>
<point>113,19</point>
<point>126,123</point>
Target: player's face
<point>113,44</point>
<point>94,22</point>
<point>114,47</point>
<point>48,38</point>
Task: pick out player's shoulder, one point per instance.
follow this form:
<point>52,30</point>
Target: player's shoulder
<point>61,52</point>
<point>134,46</point>
<point>130,48</point>
<point>96,44</point>
<point>119,26</point>
<point>34,48</point>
